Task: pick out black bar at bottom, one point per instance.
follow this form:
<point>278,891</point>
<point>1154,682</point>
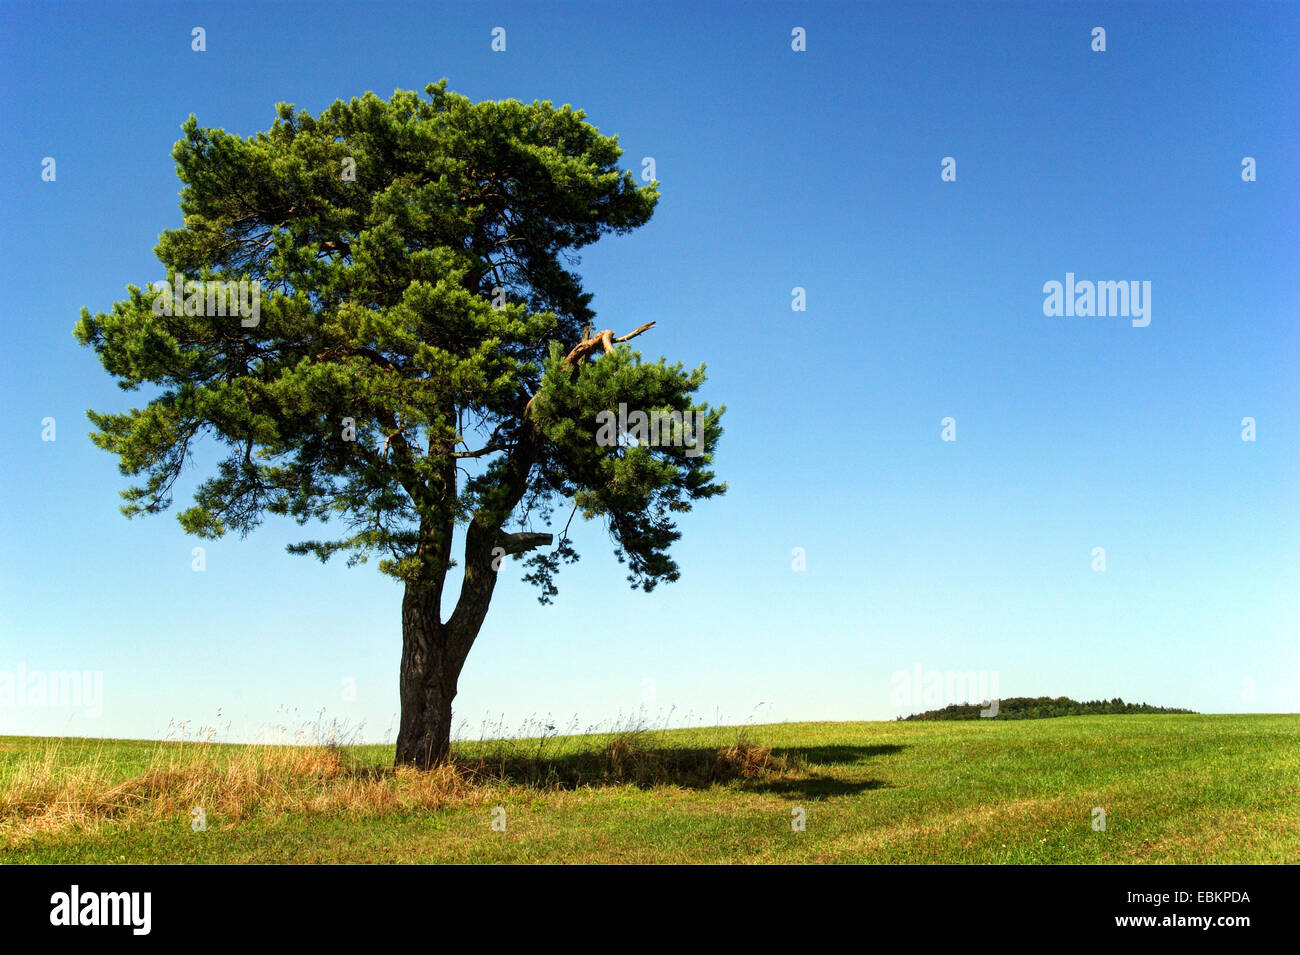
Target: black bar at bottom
<point>335,903</point>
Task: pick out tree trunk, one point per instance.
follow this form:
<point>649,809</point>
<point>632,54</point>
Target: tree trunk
<point>434,652</point>
<point>431,666</point>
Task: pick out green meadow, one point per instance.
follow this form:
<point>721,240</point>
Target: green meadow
<point>1173,788</point>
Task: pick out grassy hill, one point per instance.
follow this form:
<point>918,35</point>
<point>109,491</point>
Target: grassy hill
<point>1175,788</point>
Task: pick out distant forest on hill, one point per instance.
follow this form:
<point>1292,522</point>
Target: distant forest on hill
<point>1040,707</point>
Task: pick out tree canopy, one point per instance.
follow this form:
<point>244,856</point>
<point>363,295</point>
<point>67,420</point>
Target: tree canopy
<point>416,363</point>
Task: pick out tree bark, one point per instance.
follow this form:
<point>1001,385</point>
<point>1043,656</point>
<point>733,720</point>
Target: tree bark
<point>433,653</point>
<point>430,669</point>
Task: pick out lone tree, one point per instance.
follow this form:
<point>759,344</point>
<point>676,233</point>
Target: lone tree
<point>417,364</point>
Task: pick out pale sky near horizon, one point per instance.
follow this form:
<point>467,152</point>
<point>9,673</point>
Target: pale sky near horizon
<point>819,169</point>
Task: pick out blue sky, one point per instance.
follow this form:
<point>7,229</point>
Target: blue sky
<point>818,169</point>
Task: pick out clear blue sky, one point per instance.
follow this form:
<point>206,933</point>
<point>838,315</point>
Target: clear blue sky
<point>818,169</point>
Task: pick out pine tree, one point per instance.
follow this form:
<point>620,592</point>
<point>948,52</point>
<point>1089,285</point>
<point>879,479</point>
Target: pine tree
<point>411,365</point>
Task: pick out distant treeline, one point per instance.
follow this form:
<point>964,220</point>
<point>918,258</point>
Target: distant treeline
<point>1040,707</point>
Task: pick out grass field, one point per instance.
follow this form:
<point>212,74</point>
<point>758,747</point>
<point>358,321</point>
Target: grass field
<point>1175,788</point>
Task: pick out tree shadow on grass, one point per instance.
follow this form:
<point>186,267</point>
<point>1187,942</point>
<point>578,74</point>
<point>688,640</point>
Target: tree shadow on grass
<point>790,771</point>
<point>839,755</point>
<point>810,785</point>
<point>813,787</point>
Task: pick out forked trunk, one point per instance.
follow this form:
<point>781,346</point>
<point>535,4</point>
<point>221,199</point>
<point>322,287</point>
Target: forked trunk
<point>434,652</point>
<point>430,668</point>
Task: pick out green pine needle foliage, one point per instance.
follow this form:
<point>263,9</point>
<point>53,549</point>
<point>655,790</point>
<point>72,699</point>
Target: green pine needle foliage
<point>404,375</point>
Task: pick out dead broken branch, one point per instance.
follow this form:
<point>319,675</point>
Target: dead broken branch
<point>602,343</point>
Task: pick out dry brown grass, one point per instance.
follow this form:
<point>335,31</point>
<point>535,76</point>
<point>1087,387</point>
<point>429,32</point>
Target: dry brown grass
<point>43,795</point>
<point>46,793</point>
<point>745,761</point>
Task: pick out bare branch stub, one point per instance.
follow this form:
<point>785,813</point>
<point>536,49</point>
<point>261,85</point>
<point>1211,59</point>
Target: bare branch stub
<point>524,541</point>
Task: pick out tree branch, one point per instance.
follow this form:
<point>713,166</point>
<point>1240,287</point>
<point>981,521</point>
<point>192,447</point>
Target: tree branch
<point>520,542</point>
